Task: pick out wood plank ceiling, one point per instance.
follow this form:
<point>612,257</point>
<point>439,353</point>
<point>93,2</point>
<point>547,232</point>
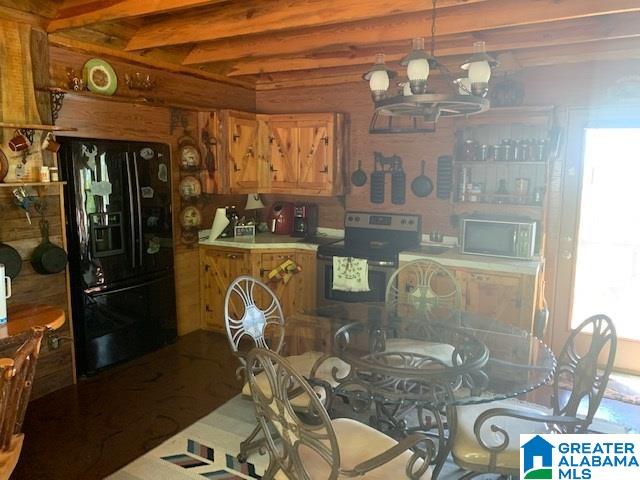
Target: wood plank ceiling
<point>280,43</point>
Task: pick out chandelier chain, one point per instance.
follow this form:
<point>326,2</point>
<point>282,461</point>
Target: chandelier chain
<point>433,28</point>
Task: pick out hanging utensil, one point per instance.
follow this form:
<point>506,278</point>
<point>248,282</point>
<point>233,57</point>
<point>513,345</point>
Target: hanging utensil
<point>398,182</point>
<point>48,258</point>
<point>377,181</point>
<point>422,186</point>
<point>10,258</point>
<point>359,177</point>
<point>444,179</point>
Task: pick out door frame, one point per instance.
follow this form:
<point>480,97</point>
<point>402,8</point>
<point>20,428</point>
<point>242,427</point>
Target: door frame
<point>564,216</point>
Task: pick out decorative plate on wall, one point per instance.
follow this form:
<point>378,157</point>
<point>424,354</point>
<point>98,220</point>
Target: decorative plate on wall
<point>100,77</point>
<point>190,157</point>
<point>190,188</point>
<point>190,217</point>
<point>4,166</point>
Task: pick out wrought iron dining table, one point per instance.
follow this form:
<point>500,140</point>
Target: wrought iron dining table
<point>409,374</point>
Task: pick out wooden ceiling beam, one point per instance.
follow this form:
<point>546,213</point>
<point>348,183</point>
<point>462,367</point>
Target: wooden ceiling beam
<point>608,50</point>
<point>62,40</point>
<point>72,15</point>
<point>471,18</point>
<point>266,16</point>
<point>591,29</point>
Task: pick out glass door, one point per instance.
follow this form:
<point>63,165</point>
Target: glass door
<point>599,257</point>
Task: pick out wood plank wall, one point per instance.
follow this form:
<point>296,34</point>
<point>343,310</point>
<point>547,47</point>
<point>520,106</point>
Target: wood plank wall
<point>577,85</point>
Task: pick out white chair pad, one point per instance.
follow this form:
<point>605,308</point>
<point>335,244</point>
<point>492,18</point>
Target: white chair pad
<point>357,442</point>
<point>303,364</point>
<point>468,451</point>
<point>440,351</point>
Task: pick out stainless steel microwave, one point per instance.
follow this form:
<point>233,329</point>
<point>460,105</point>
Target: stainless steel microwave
<point>498,238</point>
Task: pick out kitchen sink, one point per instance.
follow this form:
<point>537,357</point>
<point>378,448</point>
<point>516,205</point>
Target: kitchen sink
<point>434,249</point>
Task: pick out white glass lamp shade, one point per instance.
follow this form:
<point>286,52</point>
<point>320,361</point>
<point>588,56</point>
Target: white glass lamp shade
<point>418,69</point>
<point>379,81</point>
<point>479,72</point>
<point>253,202</point>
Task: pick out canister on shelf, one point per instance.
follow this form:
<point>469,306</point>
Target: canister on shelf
<point>522,186</point>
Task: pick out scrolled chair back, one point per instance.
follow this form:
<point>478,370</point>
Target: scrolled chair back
<point>423,290</point>
<point>578,368</point>
<point>252,311</point>
<point>302,438</point>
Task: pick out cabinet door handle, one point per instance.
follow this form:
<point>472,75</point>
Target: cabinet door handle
<point>235,167</point>
<point>236,136</point>
<point>233,256</point>
<point>325,169</point>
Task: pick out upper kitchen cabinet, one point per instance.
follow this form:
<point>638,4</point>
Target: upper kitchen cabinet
<point>297,154</point>
<point>243,152</point>
<point>306,154</point>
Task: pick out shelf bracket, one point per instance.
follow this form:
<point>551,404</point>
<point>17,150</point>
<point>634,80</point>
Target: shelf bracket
<point>57,99</point>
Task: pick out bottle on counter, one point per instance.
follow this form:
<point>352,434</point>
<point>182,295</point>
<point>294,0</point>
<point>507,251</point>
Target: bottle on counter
<point>233,220</point>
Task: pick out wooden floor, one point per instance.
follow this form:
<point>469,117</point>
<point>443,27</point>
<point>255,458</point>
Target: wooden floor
<point>90,430</point>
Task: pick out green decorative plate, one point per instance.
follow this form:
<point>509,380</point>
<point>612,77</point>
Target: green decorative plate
<point>100,77</point>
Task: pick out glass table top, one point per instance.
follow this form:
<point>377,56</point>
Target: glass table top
<point>464,359</point>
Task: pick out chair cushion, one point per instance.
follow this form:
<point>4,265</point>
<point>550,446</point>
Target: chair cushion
<point>467,452</point>
<point>440,351</point>
<point>9,458</point>
<point>303,365</point>
<point>358,442</point>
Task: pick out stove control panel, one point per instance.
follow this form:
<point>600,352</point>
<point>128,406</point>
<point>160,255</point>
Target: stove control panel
<point>383,221</point>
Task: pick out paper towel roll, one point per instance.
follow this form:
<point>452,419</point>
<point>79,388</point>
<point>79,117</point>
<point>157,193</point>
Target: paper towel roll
<point>220,222</point>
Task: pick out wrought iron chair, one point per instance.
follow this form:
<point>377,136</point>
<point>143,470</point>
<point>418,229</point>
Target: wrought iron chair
<point>16,377</point>
<point>423,291</point>
<point>253,312</point>
<point>314,447</point>
<point>486,439</point>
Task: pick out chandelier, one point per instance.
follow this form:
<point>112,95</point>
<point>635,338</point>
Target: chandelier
<point>417,109</point>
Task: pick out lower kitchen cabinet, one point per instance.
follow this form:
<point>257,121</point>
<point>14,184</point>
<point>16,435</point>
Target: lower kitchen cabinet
<point>220,266</point>
<point>218,269</point>
<point>509,298</point>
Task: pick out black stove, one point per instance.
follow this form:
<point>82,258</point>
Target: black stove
<point>377,237</point>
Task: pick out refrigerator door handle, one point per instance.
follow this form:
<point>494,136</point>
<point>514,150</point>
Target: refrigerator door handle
<point>131,216</point>
<point>140,238</point>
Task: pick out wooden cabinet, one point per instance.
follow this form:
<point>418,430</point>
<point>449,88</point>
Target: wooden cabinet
<point>219,266</point>
<point>306,154</point>
<point>509,298</point>
<point>243,152</point>
<point>301,154</point>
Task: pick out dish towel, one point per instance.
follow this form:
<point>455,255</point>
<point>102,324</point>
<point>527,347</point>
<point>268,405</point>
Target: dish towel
<point>350,274</point>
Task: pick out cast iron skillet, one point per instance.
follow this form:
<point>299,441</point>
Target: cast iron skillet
<point>48,258</point>
<point>422,186</point>
<point>359,177</point>
<point>11,260</point>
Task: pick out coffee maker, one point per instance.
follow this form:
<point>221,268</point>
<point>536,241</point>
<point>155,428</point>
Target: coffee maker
<point>305,220</point>
<point>281,218</point>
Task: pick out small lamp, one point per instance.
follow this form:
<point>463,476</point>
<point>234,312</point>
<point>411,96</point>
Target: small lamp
<point>254,203</point>
<point>479,66</point>
<point>417,63</point>
<point>378,77</point>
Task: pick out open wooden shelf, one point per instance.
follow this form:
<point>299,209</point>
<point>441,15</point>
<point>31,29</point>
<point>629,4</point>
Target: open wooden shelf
<point>31,184</point>
<point>36,126</point>
<point>139,100</point>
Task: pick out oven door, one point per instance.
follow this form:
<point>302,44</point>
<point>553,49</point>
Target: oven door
<point>379,274</point>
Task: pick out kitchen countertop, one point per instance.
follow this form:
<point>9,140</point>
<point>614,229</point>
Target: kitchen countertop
<point>264,241</point>
<point>453,258</point>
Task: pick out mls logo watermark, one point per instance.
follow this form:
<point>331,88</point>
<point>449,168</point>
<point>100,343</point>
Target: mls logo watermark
<point>580,457</point>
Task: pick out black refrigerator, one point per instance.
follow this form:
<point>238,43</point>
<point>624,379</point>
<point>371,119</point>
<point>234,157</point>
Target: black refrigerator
<point>119,228</point>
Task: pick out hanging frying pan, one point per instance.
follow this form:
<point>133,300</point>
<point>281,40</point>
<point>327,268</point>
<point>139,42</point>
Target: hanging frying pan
<point>422,186</point>
<point>11,260</point>
<point>359,177</point>
<point>48,258</point>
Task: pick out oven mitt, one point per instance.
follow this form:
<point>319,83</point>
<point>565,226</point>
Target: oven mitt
<point>284,272</point>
